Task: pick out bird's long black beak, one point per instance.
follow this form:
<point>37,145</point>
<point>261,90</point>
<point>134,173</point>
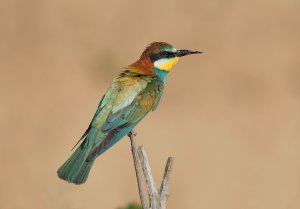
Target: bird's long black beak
<point>184,52</point>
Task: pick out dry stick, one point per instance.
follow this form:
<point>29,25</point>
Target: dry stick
<point>157,199</point>
<point>137,169</point>
<point>152,191</point>
<point>163,191</point>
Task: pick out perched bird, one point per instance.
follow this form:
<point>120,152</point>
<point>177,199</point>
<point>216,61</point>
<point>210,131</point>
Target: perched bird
<point>131,96</point>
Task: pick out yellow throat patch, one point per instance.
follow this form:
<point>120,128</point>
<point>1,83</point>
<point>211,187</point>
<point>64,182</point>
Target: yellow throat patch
<point>166,64</point>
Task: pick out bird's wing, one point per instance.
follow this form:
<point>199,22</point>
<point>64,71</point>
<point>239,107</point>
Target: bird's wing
<point>124,117</point>
<point>120,94</point>
<point>130,110</point>
<point>100,107</point>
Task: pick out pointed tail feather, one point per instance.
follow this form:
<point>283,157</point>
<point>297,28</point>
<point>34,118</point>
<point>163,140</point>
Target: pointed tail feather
<point>76,169</point>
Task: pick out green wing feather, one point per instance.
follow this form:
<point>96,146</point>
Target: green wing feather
<point>119,123</point>
<point>128,100</point>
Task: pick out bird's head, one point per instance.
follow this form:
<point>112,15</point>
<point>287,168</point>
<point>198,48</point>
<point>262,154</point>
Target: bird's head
<point>159,56</point>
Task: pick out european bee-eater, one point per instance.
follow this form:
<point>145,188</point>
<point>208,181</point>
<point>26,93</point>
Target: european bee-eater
<point>132,95</point>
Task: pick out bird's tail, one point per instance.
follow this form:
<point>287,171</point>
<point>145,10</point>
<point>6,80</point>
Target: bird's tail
<point>76,169</point>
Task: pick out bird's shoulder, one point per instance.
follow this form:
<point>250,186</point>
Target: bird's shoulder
<point>129,90</point>
<point>129,87</point>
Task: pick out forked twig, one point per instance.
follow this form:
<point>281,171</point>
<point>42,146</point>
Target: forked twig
<point>157,197</point>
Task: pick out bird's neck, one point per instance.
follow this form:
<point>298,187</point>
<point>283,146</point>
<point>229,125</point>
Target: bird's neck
<point>144,66</point>
<point>161,74</point>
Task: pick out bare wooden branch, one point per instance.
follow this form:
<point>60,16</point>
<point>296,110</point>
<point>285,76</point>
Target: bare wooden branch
<point>137,167</point>
<point>163,191</point>
<point>152,191</point>
<point>157,198</point>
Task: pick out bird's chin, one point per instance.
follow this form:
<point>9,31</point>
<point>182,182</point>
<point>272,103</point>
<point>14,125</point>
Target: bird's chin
<point>166,64</point>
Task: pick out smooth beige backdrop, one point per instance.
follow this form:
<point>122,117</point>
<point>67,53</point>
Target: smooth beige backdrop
<point>231,116</point>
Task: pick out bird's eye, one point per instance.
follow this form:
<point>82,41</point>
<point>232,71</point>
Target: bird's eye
<point>163,54</point>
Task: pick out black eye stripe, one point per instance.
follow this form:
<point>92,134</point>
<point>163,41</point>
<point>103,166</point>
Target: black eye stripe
<point>167,54</point>
<point>161,55</point>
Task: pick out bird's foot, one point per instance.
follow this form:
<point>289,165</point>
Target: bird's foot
<point>132,133</point>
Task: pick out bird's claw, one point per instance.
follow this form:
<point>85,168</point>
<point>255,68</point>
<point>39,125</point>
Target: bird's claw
<point>132,133</point>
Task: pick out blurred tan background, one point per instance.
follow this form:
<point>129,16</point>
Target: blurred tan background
<point>231,116</point>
